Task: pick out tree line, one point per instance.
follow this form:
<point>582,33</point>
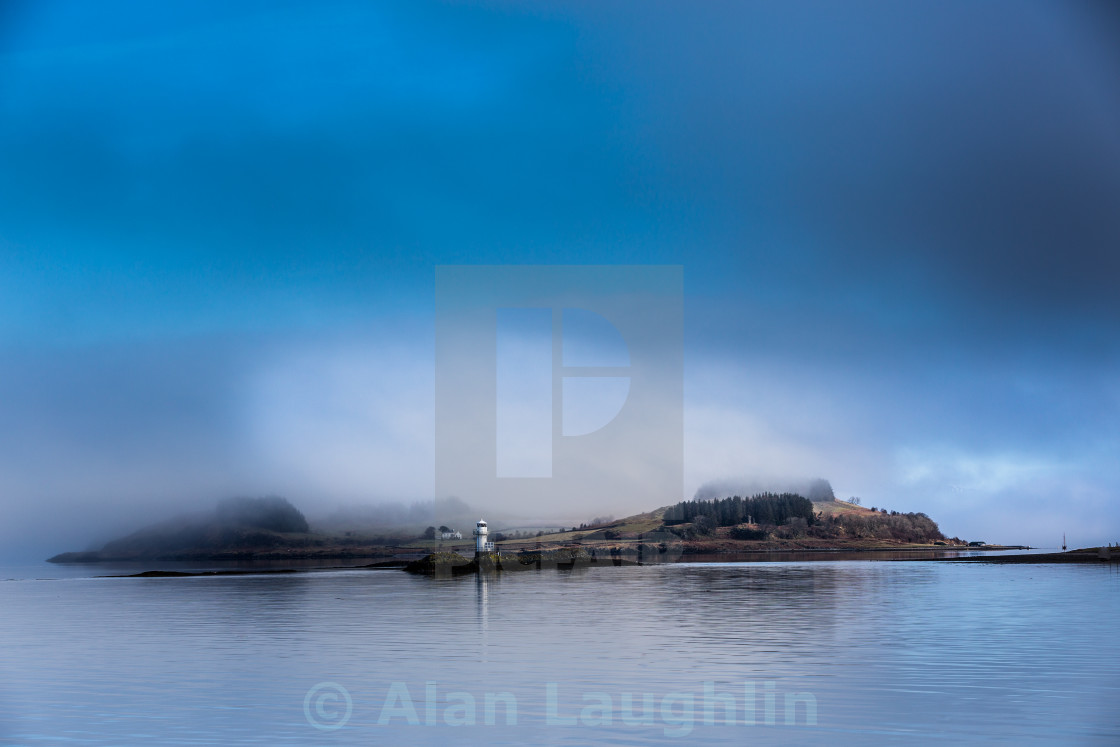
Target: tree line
<point>773,509</point>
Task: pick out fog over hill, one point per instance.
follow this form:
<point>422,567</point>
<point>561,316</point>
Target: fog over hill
<point>270,521</point>
<point>816,489</point>
<point>399,515</point>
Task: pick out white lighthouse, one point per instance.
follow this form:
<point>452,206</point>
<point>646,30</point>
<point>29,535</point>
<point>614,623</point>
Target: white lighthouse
<point>480,533</point>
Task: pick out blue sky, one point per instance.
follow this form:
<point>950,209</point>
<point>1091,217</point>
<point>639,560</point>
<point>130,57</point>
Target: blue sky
<point>898,221</point>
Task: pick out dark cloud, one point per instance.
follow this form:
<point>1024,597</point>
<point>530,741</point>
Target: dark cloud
<point>951,161</point>
<point>898,223</point>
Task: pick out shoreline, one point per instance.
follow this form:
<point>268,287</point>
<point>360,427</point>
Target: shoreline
<point>570,558</point>
<point>1084,555</point>
<point>386,553</point>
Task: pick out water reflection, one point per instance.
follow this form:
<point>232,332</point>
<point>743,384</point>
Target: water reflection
<point>482,582</point>
<point>972,652</point>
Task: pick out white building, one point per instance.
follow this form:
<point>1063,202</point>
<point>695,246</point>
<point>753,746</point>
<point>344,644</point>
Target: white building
<point>451,535</point>
<point>480,534</point>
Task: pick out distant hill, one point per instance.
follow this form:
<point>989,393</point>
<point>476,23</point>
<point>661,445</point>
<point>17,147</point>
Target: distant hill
<point>236,523</point>
<point>732,522</point>
<point>792,517</point>
<point>272,528</point>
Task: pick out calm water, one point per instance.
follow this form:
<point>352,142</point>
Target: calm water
<point>857,651</point>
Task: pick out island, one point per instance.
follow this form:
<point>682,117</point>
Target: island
<point>271,528</point>
<point>763,526</point>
